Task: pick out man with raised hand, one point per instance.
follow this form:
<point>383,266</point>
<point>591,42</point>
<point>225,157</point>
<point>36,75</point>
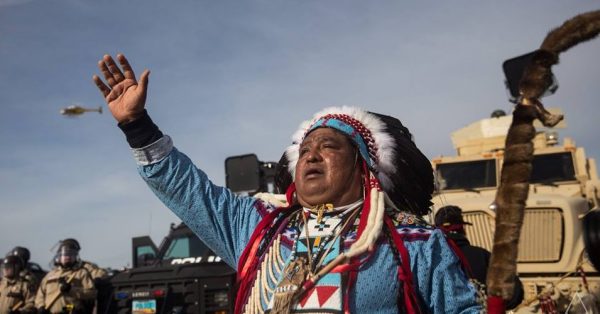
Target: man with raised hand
<point>350,237</point>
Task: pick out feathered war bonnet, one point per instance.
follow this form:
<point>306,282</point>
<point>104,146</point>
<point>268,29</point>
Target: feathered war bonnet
<point>386,146</point>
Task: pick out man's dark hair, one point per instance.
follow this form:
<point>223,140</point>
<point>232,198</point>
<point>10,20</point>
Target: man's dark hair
<point>449,215</point>
<point>283,178</point>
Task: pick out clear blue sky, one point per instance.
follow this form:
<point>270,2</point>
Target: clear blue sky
<point>235,77</point>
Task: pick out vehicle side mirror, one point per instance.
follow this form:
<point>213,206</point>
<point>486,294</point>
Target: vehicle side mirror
<point>144,251</point>
<point>242,173</point>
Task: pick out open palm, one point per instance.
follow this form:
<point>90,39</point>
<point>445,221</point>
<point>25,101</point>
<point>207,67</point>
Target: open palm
<point>125,96</point>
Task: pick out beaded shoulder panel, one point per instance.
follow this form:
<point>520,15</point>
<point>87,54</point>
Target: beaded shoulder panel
<point>265,206</point>
<point>411,227</point>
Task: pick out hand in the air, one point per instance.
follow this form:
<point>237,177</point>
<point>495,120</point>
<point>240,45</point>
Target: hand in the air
<point>125,96</point>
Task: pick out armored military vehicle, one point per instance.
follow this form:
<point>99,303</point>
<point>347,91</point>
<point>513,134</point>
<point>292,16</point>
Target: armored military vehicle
<point>564,186</point>
<point>182,275</point>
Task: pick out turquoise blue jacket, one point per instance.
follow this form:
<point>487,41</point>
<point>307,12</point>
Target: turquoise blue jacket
<point>225,222</point>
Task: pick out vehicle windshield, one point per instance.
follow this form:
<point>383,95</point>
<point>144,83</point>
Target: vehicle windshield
<point>466,175</point>
<point>186,247</point>
<point>549,168</point>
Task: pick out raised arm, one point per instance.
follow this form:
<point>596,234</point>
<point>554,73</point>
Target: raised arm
<point>223,220</point>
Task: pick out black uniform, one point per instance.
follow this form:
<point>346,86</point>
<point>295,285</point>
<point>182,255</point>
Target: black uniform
<point>479,260</point>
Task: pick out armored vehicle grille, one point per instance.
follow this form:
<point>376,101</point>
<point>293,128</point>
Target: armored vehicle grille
<point>541,235</point>
<point>481,233</point>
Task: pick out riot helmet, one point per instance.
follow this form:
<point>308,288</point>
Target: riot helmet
<point>11,266</point>
<point>21,252</point>
<point>68,253</point>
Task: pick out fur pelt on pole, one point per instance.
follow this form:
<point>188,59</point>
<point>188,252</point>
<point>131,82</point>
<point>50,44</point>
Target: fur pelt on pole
<point>514,181</point>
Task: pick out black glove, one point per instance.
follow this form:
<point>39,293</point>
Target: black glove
<point>42,310</point>
<point>15,295</point>
<point>14,312</point>
<point>64,286</point>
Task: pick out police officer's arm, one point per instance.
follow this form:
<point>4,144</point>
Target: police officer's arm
<point>28,299</point>
<point>86,290</point>
<point>40,296</point>
<point>100,273</point>
<point>211,211</point>
<point>3,295</point>
<point>95,270</point>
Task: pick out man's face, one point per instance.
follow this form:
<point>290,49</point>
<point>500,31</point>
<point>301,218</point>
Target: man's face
<point>8,271</point>
<point>66,260</point>
<point>67,257</point>
<point>328,170</point>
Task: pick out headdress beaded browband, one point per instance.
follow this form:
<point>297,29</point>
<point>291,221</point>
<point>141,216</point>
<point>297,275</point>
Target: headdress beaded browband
<point>366,130</point>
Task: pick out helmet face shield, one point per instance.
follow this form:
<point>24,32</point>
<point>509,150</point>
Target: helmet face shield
<point>11,267</point>
<point>67,256</point>
<point>8,271</point>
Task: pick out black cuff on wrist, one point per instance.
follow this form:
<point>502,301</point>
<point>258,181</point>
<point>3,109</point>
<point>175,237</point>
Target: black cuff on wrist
<point>141,131</point>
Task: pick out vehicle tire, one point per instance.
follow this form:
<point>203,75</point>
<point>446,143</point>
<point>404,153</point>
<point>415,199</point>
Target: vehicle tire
<point>591,236</point>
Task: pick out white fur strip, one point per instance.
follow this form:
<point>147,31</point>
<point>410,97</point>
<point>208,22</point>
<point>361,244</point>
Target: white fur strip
<point>373,236</point>
<point>370,232</point>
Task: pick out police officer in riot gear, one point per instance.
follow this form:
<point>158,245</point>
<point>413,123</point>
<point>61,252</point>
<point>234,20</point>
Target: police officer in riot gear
<point>68,253</point>
<point>450,219</point>
<point>16,295</point>
<point>71,286</point>
<point>21,252</point>
<point>71,250</point>
<point>31,272</point>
